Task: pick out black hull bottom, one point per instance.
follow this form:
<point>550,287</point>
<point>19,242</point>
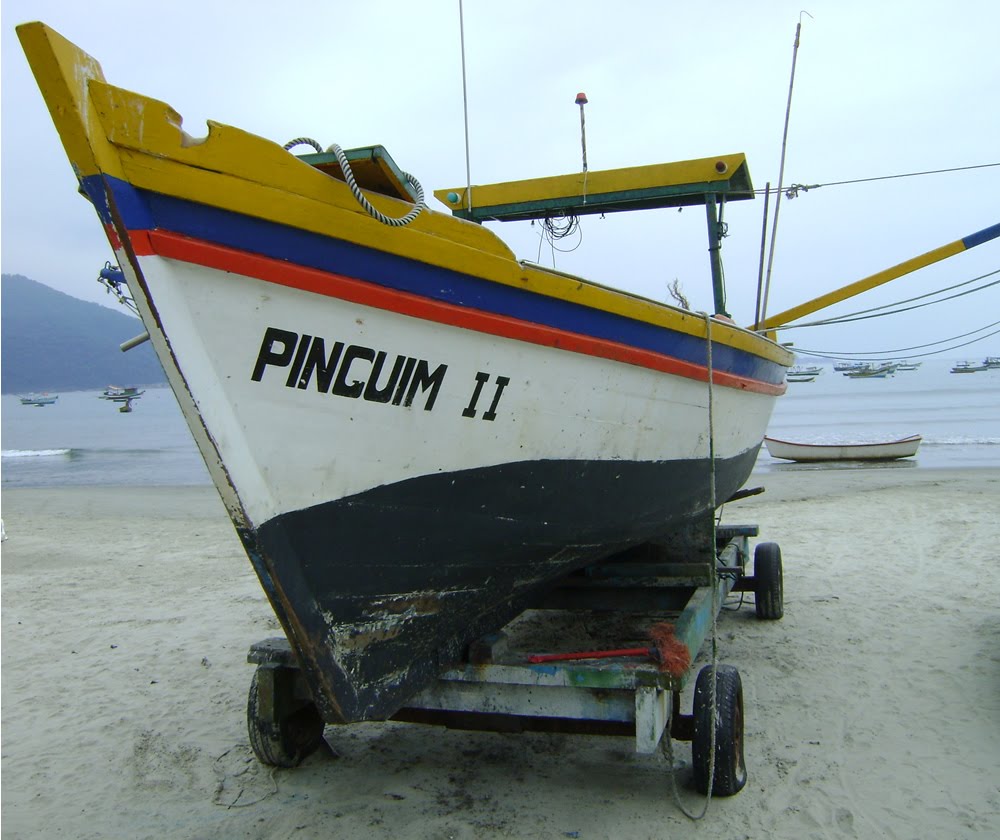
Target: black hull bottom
<point>381,591</point>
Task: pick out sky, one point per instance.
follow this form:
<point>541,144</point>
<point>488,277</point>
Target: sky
<point>881,89</point>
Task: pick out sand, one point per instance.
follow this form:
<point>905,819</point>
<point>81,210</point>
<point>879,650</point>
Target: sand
<point>873,707</point>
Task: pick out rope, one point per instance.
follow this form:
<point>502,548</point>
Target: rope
<point>714,577</point>
<point>302,141</point>
<point>345,167</point>
<point>360,196</point>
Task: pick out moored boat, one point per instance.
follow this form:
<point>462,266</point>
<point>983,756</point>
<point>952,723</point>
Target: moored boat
<point>968,367</point>
<point>870,371</point>
<point>412,431</point>
<point>810,452</point>
<point>38,399</point>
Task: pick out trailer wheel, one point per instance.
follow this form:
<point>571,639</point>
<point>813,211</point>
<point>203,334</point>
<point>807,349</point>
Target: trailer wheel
<point>283,731</point>
<point>769,589</point>
<point>730,767</point>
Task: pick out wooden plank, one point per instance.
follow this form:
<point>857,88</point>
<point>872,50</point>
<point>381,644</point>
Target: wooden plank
<point>679,184</point>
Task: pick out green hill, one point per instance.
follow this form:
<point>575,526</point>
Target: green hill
<point>50,341</point>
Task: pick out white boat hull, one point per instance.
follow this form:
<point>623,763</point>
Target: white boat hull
<point>806,452</point>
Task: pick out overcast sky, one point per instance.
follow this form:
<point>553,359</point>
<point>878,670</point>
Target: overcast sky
<point>881,89</point>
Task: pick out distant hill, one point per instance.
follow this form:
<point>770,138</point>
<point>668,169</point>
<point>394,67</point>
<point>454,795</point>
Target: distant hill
<point>50,341</point>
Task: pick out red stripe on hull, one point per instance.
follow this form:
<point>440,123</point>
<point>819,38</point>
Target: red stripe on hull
<point>172,246</point>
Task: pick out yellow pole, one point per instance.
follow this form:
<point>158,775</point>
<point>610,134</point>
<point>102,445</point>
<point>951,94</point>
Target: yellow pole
<point>864,285</point>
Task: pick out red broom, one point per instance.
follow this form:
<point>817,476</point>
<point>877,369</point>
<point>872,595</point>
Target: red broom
<point>672,654</point>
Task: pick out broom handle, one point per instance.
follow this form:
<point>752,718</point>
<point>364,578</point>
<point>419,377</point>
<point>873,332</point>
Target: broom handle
<point>593,654</point>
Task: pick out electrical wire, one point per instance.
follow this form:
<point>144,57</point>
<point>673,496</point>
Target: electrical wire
<point>556,228</point>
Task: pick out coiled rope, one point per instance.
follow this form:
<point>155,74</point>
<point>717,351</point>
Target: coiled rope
<point>345,167</point>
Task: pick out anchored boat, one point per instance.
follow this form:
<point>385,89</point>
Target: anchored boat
<point>412,431</point>
<point>38,399</point>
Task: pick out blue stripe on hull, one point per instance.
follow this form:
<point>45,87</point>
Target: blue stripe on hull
<point>143,210</point>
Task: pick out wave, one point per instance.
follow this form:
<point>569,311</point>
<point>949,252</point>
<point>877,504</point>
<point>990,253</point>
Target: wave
<point>962,441</point>
<point>89,452</point>
<point>34,453</point>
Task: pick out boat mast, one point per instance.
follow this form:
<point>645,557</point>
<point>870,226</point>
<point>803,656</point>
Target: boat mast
<point>715,234</point>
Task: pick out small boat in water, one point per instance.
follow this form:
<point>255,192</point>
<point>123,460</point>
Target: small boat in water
<point>804,373</point>
<point>809,452</point>
<point>969,367</point>
<point>870,371</point>
<point>38,399</point>
<point>122,396</point>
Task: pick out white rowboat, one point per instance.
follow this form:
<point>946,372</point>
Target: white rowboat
<point>885,451</point>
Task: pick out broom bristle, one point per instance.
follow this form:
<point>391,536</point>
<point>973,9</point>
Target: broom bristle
<point>675,658</point>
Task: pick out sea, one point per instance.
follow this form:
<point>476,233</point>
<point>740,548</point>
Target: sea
<point>84,440</point>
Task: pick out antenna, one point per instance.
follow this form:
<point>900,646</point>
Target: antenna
<point>581,100</point>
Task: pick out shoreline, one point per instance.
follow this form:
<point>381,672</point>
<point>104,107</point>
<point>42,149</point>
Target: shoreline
<point>872,708</point>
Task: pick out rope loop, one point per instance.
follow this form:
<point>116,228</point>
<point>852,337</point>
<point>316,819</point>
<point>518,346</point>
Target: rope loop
<point>345,167</point>
<point>360,196</point>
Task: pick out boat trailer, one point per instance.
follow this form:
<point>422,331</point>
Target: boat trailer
<point>611,604</point>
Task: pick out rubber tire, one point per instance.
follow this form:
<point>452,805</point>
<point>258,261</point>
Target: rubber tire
<point>288,742</point>
<point>769,588</point>
<point>730,766</point>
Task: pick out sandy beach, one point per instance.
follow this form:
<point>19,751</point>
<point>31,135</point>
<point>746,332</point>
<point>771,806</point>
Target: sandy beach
<point>873,707</point>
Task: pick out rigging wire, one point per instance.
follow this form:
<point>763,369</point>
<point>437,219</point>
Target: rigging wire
<point>851,354</point>
<point>845,319</point>
<point>891,353</point>
<point>794,189</point>
<point>852,316</point>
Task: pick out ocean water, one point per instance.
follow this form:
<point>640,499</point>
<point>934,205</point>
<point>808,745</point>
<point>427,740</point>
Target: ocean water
<point>83,440</point>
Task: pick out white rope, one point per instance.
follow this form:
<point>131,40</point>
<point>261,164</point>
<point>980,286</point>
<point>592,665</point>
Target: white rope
<point>345,167</point>
<point>714,578</point>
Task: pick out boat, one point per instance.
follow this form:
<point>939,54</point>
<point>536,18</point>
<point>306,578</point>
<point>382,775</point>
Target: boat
<point>870,371</point>
<point>800,377</point>
<point>992,362</point>
<point>810,452</point>
<point>804,370</point>
<point>968,367</point>
<point>120,394</point>
<point>123,396</point>
<point>414,432</point>
<point>38,399</point>
<point>907,365</point>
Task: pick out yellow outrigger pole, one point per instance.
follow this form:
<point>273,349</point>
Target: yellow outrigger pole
<point>830,298</point>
